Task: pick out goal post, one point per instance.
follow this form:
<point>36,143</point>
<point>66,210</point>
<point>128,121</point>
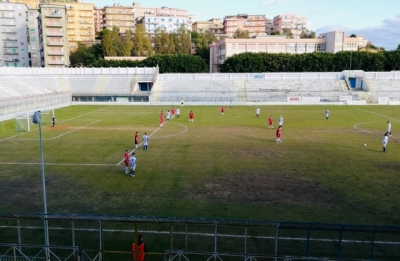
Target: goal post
<point>23,122</point>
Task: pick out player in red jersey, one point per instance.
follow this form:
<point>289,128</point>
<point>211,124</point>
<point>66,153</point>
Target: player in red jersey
<point>136,140</point>
<point>222,110</point>
<point>191,116</point>
<point>172,112</point>
<point>161,121</point>
<point>162,114</point>
<point>278,135</point>
<point>270,122</point>
<point>126,158</point>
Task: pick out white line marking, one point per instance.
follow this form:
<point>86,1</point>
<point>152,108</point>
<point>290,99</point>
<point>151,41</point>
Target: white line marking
<point>60,121</point>
<point>141,143</point>
<point>172,135</point>
<point>54,164</point>
<point>68,132</point>
<point>377,114</point>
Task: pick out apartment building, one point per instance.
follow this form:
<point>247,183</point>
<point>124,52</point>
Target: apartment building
<point>213,25</point>
<point>80,23</point>
<point>35,51</point>
<point>14,35</point>
<point>54,41</point>
<point>328,42</point>
<point>120,16</point>
<point>167,23</point>
<point>295,23</point>
<point>98,17</point>
<point>254,24</point>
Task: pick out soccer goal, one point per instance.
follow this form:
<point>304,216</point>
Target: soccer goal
<point>23,123</point>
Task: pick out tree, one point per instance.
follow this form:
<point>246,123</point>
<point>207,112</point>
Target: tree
<point>276,33</point>
<point>398,48</point>
<point>288,33</point>
<point>85,56</point>
<point>163,43</point>
<point>111,42</point>
<point>182,41</point>
<point>142,44</point>
<point>353,35</point>
<point>307,34</point>
<point>241,34</point>
<point>128,43</point>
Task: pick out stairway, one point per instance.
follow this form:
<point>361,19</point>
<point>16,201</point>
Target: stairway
<point>242,95</point>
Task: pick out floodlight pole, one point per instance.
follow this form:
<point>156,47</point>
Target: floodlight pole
<point>36,119</point>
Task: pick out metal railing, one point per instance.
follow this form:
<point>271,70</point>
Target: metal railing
<point>110,238</point>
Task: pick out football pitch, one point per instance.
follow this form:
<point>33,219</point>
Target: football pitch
<point>220,166</point>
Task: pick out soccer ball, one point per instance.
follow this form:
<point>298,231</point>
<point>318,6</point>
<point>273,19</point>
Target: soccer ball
<point>365,145</point>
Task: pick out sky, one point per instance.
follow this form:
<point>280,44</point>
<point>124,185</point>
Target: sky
<point>378,21</point>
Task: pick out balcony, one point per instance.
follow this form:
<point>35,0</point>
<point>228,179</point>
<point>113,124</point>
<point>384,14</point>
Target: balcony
<point>7,24</point>
<point>53,43</point>
<point>85,34</point>
<point>9,31</point>
<point>10,53</point>
<point>85,15</point>
<point>10,39</point>
<point>58,62</point>
<point>71,33</point>
<point>54,24</point>
<point>85,22</point>
<point>70,14</point>
<point>55,34</point>
<point>8,17</point>
<point>55,52</point>
<point>10,46</point>
<point>54,14</point>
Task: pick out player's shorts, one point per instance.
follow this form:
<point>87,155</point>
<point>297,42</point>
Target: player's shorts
<point>384,143</point>
<point>133,167</point>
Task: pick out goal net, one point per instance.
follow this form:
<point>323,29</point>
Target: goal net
<point>24,123</point>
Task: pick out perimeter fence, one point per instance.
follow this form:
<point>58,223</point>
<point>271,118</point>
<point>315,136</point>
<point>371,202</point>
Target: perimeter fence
<point>97,238</point>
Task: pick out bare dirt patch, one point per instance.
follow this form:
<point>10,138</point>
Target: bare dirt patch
<point>271,188</point>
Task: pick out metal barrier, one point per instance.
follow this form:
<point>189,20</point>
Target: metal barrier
<point>110,238</point>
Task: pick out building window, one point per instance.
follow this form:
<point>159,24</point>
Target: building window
<point>162,20</point>
<point>242,46</point>
<point>292,47</point>
<point>233,46</point>
<point>321,48</point>
<point>261,47</point>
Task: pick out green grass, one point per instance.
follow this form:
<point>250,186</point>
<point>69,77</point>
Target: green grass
<point>217,167</point>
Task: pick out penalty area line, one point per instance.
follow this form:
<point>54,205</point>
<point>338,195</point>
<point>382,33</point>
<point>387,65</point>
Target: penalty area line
<point>141,143</point>
<point>56,164</point>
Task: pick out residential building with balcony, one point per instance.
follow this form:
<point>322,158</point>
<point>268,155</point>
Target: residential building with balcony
<point>98,16</point>
<point>54,40</point>
<point>80,23</point>
<point>14,35</point>
<point>254,24</point>
<point>295,23</point>
<point>168,23</point>
<point>213,25</point>
<point>119,16</point>
<point>35,51</point>
<point>333,42</point>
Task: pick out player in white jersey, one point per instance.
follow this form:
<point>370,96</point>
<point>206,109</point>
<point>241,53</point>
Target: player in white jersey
<point>168,115</point>
<point>385,142</point>
<point>258,113</point>
<point>280,121</point>
<point>145,139</point>
<point>132,162</point>
<point>389,128</point>
<point>178,113</point>
<point>326,114</point>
